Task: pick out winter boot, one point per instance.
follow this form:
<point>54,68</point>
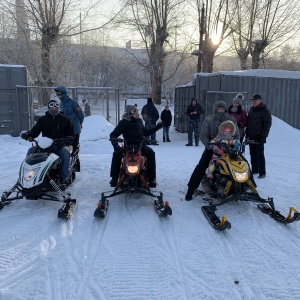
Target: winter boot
<point>152,183</point>
<point>168,140</point>
<point>189,194</point>
<point>164,139</point>
<point>113,182</point>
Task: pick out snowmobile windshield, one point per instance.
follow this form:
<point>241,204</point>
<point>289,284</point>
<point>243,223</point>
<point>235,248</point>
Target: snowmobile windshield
<point>36,158</point>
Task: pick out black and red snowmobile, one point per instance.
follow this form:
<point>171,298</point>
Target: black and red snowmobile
<point>133,179</point>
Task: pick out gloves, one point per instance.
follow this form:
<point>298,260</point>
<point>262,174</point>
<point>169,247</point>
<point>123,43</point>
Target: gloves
<point>263,140</point>
<point>24,136</point>
<point>159,125</point>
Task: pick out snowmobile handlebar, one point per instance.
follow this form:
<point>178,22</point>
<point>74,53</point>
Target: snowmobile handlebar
<point>132,147</point>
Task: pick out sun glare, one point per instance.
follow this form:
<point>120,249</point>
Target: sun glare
<point>215,39</point>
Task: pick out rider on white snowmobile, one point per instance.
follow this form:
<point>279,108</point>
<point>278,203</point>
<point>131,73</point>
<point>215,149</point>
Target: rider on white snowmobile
<point>53,125</point>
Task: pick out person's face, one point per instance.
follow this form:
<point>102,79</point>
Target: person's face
<point>167,107</point>
<point>235,104</point>
<point>194,102</point>
<point>59,95</point>
<point>135,113</point>
<point>256,102</point>
<point>220,109</point>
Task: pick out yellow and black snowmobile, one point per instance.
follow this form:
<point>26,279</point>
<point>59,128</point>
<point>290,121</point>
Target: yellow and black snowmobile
<point>233,181</point>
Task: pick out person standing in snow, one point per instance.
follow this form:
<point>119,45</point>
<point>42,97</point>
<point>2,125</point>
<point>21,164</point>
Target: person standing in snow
<point>72,110</point>
<point>236,110</point>
<point>259,122</point>
<point>150,115</point>
<point>166,118</point>
<point>209,130</point>
<point>87,108</point>
<point>193,111</point>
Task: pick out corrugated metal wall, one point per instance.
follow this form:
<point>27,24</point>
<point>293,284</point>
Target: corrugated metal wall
<point>281,95</point>
<point>16,110</point>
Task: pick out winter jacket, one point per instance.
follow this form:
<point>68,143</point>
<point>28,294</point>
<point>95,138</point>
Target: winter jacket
<point>259,122</point>
<point>241,118</point>
<point>197,108</point>
<point>150,114</point>
<point>166,117</point>
<point>71,109</point>
<point>133,130</point>
<point>210,127</point>
<point>52,127</point>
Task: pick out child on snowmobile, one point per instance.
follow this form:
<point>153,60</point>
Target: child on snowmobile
<point>225,136</point>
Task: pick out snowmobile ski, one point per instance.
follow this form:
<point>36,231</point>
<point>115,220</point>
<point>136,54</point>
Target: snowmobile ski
<point>66,211</point>
<point>163,208</point>
<point>277,216</point>
<point>102,208</point>
<point>213,219</point>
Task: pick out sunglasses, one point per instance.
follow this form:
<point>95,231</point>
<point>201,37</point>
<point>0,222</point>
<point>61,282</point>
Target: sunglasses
<point>52,104</point>
<point>58,93</point>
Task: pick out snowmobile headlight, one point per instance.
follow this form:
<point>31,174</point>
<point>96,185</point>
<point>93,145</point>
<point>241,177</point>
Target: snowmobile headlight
<point>30,174</point>
<point>240,176</point>
<point>132,169</point>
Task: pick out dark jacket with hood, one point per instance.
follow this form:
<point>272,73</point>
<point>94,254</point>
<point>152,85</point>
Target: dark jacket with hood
<point>133,130</point>
<point>53,127</point>
<point>150,113</point>
<point>71,109</point>
<point>259,122</point>
<point>197,108</point>
<point>166,117</point>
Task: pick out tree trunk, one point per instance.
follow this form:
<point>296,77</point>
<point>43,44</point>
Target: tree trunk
<point>258,49</point>
<point>243,55</point>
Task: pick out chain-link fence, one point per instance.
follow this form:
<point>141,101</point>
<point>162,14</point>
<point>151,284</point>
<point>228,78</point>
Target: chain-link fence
<point>103,101</point>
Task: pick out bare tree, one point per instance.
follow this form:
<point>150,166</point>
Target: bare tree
<point>153,20</point>
<point>214,19</point>
<point>261,25</point>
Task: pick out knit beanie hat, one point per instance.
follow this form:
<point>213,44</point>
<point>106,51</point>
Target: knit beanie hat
<point>241,96</point>
<point>128,112</point>
<point>237,100</point>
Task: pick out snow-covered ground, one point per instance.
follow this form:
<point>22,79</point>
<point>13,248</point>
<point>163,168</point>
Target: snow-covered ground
<point>135,254</point>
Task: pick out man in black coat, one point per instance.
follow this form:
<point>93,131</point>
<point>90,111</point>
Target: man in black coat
<point>166,118</point>
<point>259,122</point>
<point>193,111</point>
<point>150,115</point>
<point>53,125</point>
<point>133,131</point>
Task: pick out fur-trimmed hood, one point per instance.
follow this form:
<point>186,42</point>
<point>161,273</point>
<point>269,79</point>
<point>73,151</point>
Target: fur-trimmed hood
<point>224,124</point>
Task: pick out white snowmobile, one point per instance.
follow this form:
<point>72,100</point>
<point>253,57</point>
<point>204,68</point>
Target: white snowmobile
<point>39,177</point>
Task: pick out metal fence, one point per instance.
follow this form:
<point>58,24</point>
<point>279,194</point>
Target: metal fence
<point>281,94</point>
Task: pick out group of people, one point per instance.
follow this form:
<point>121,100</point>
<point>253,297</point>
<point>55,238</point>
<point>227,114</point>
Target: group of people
<point>219,126</point>
<point>65,118</point>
